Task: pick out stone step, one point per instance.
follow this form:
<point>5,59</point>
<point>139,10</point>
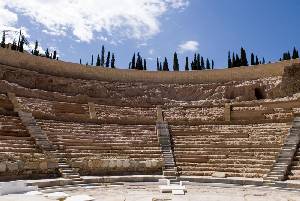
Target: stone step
<point>70,175</point>
<point>64,170</point>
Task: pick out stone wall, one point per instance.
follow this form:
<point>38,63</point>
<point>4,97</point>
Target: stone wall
<point>135,94</point>
<point>94,166</point>
<point>291,80</point>
<point>27,167</point>
<point>275,110</point>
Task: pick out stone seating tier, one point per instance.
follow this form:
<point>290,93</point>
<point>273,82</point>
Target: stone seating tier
<point>103,112</point>
<point>14,138</point>
<point>237,150</point>
<point>114,141</point>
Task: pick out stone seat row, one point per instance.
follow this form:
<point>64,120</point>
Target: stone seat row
<point>107,140</point>
<point>203,150</point>
<point>102,111</point>
<point>101,135</point>
<point>14,138</point>
<point>228,146</point>
<point>200,161</point>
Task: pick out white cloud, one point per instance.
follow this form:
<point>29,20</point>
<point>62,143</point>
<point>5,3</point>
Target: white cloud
<point>178,4</point>
<point>188,46</point>
<point>138,19</point>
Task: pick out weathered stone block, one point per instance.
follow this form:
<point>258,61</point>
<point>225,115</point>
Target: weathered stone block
<point>44,165</point>
<point>31,165</point>
<point>52,165</point>
<point>219,174</point>
<point>12,166</point>
<point>2,167</point>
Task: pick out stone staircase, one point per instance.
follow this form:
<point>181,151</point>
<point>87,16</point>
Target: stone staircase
<point>170,169</point>
<point>35,131</point>
<point>42,141</point>
<point>295,166</point>
<point>285,158</point>
<point>68,172</point>
<point>65,169</point>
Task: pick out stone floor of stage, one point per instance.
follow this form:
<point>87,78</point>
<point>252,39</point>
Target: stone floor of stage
<point>150,192</point>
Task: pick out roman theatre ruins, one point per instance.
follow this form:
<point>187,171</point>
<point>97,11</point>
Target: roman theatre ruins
<point>65,125</point>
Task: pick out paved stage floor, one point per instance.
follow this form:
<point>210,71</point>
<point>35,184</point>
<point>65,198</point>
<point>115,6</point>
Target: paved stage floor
<point>150,192</point>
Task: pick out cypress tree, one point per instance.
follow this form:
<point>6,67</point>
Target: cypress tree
<point>295,53</point>
<point>233,60</point>
<point>264,61</point>
<point>212,64</point>
<point>207,64</point>
<point>3,40</point>
<point>229,60</point>
<point>107,59</point>
<point>139,62</point>
<point>257,61</point>
<point>252,59</point>
<point>175,62</point>
<point>198,62</point>
<point>102,61</point>
<point>288,55</point>
<point>19,40</point>
<point>14,45</point>
<point>237,60</point>
<point>80,61</point>
<point>47,53</point>
<point>98,60</point>
<point>133,62</point>
<point>284,57</point>
<point>244,61</point>
<point>157,64</point>
<point>92,62</point>
<point>160,66</point>
<point>202,63</point>
<point>194,63</point>
<point>186,63</point>
<point>36,52</point>
<point>165,65</point>
<point>54,55</point>
<point>21,46</point>
<point>145,65</point>
<point>113,60</point>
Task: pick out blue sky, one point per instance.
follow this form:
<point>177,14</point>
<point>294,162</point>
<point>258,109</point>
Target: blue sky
<point>157,28</point>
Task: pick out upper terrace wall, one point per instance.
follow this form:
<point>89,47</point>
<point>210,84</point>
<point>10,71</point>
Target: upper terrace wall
<point>65,69</point>
<point>21,73</point>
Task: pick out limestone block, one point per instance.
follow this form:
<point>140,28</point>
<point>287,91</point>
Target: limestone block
<point>105,163</point>
<point>12,166</point>
<point>119,163</point>
<point>148,163</point>
<point>44,165</point>
<point>112,163</point>
<point>2,167</point>
<point>219,174</point>
<point>52,165</point>
<point>31,165</point>
<point>126,163</point>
